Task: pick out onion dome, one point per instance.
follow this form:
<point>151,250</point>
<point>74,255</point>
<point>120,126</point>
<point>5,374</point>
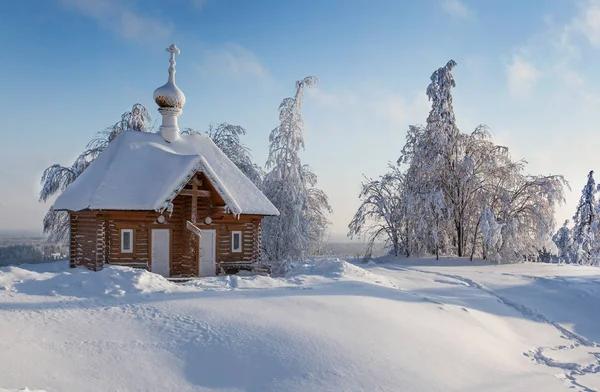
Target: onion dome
<point>169,95</point>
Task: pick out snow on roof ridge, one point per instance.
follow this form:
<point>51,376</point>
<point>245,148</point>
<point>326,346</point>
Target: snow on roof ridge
<point>167,203</point>
<point>203,166</point>
<point>209,140</point>
<point>144,162</point>
<point>232,205</point>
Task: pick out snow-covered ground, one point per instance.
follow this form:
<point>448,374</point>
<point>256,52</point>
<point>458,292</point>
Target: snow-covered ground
<point>403,325</point>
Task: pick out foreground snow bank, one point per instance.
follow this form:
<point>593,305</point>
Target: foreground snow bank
<point>327,325</point>
<point>60,280</point>
<point>57,279</point>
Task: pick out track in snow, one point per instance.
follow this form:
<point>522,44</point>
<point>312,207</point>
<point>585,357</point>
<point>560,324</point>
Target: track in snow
<point>571,370</point>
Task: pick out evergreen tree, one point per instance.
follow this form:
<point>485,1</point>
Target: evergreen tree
<point>585,223</point>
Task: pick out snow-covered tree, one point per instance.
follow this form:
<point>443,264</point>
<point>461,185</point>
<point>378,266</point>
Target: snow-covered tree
<point>228,138</point>
<point>563,241</point>
<point>437,216</point>
<point>441,123</point>
<point>585,223</point>
<point>287,185</point>
<point>137,119</point>
<point>488,201</point>
<point>491,232</point>
<point>433,154</point>
<point>383,212</point>
<point>316,216</point>
<point>586,209</point>
<point>528,214</point>
<point>57,178</point>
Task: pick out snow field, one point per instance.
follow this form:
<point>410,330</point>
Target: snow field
<point>329,325</point>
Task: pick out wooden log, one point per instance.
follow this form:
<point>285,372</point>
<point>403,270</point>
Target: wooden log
<point>197,193</point>
<point>100,234</point>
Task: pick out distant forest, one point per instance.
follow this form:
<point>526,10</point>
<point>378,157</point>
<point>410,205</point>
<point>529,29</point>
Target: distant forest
<point>31,253</point>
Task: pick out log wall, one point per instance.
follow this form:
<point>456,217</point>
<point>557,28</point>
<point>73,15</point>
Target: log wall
<point>84,240</point>
<point>250,228</point>
<point>96,235</point>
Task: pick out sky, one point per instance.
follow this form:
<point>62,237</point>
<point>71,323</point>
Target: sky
<point>526,69</point>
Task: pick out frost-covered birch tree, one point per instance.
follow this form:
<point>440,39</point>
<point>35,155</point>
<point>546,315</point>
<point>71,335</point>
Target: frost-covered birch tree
<point>528,215</point>
<point>491,232</point>
<point>490,208</point>
<point>437,211</point>
<point>316,216</point>
<point>57,178</point>
<point>288,185</point>
<point>383,213</point>
<point>433,153</point>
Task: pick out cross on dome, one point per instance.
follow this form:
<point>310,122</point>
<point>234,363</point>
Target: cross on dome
<point>170,99</point>
<point>173,50</point>
<point>169,95</point>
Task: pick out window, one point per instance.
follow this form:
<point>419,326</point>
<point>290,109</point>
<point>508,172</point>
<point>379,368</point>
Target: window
<point>126,240</point>
<point>236,241</point>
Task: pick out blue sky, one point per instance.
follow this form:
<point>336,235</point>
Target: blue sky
<point>527,69</point>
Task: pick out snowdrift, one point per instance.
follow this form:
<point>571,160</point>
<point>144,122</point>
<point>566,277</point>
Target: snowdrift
<point>328,325</point>
<point>80,282</point>
<point>56,279</point>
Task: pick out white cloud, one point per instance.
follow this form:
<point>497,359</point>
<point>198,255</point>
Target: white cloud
<point>522,77</point>
<point>456,8</point>
<point>124,22</point>
<point>588,22</point>
<point>232,59</point>
<point>557,54</point>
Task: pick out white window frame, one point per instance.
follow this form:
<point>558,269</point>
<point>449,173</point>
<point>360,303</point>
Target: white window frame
<point>130,250</point>
<point>233,248</point>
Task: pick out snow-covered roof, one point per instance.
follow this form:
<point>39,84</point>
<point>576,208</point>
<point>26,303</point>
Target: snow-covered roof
<point>142,171</point>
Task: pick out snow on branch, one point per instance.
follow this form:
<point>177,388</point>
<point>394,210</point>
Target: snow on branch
<point>458,193</point>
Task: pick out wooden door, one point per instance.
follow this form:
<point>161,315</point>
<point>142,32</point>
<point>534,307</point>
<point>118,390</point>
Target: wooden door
<point>208,256</point>
<point>161,252</point>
